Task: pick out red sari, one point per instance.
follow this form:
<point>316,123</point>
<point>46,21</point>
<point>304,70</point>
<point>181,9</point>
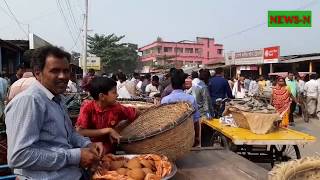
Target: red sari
<point>281,100</point>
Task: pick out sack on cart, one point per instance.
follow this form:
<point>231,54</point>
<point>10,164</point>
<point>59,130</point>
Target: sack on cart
<point>256,122</point>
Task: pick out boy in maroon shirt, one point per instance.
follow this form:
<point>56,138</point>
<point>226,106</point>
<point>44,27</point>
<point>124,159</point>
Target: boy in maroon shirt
<point>99,117</point>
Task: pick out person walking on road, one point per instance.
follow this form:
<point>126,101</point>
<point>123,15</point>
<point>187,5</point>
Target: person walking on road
<point>293,88</point>
<point>311,92</point>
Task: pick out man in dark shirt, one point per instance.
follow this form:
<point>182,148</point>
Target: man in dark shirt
<point>219,87</point>
<point>18,75</point>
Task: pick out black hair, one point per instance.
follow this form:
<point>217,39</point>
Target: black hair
<point>178,79</point>
<point>147,76</point>
<point>40,56</point>
<point>313,76</point>
<point>172,71</point>
<point>114,77</point>
<point>91,70</point>
<point>194,75</point>
<point>121,76</point>
<point>20,66</point>
<point>204,75</point>
<point>135,74</point>
<point>155,78</point>
<point>219,71</point>
<point>101,85</point>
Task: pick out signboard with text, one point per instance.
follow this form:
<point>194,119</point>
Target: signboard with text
<point>271,54</point>
<point>93,63</point>
<point>248,57</point>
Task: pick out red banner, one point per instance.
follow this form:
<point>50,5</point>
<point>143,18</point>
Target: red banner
<point>271,54</point>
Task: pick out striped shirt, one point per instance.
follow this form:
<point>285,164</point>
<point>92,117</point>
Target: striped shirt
<point>42,144</point>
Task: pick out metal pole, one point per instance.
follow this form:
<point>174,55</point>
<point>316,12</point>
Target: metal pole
<point>85,39</point>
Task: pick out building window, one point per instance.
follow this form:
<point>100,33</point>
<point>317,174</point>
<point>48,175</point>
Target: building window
<point>188,50</point>
<point>219,51</point>
<point>178,50</point>
<point>167,49</point>
<point>197,50</point>
<point>159,50</point>
<point>208,54</point>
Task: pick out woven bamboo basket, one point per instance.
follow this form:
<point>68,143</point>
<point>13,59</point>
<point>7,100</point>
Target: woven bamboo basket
<point>141,105</point>
<point>307,168</point>
<point>258,123</point>
<point>167,129</point>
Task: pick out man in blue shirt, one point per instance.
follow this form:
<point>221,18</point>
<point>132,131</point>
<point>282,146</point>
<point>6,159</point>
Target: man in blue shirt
<point>219,87</point>
<point>178,95</point>
<point>42,144</point>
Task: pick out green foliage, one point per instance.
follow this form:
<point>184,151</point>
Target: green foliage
<point>114,55</point>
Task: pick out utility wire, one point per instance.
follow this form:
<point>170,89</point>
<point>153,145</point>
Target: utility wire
<point>71,13</point>
<point>65,20</point>
<point>15,18</point>
<point>78,37</point>
<point>261,24</point>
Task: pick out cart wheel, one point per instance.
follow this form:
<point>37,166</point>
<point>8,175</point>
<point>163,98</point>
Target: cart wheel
<point>283,153</point>
<point>226,143</point>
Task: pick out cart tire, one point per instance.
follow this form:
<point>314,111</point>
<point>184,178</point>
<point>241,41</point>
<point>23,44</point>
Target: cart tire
<point>283,153</point>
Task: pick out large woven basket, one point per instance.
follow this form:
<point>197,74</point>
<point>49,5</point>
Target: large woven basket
<point>307,168</point>
<point>141,105</point>
<point>258,123</point>
<point>167,129</point>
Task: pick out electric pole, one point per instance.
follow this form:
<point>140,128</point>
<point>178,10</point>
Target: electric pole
<point>84,63</point>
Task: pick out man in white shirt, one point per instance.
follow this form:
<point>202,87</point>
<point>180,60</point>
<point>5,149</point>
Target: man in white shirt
<point>253,88</point>
<point>311,92</point>
<point>153,88</point>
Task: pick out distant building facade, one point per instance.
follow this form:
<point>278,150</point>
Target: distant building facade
<point>161,53</point>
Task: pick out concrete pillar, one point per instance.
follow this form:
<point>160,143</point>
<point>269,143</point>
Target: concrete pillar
<point>260,70</point>
<point>271,68</point>
<point>310,66</point>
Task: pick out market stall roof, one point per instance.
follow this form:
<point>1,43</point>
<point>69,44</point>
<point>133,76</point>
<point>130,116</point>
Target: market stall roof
<point>299,58</point>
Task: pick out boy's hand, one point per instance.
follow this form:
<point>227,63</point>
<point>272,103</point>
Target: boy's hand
<point>113,134</point>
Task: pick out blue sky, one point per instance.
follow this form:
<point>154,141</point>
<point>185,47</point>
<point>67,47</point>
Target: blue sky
<point>142,21</point>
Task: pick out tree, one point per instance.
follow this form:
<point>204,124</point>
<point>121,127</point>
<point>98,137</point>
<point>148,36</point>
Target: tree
<point>114,55</point>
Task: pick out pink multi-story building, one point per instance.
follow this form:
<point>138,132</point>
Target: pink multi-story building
<point>202,51</point>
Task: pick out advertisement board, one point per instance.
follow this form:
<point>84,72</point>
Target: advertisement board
<point>93,62</point>
<point>271,54</point>
<point>248,57</point>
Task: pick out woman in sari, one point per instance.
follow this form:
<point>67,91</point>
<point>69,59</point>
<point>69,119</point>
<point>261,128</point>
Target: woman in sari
<point>281,99</point>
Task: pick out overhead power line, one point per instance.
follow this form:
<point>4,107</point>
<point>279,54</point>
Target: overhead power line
<point>71,14</point>
<point>65,20</point>
<point>264,23</point>
<point>15,18</point>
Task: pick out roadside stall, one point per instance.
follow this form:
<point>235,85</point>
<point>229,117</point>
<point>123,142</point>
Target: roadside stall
<point>252,129</point>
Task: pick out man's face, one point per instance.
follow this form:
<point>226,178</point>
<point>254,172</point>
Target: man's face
<point>290,76</point>
<point>55,75</point>
<point>109,98</point>
<point>155,83</point>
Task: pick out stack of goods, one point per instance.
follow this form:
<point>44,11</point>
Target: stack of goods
<point>140,167</point>
<point>307,168</point>
<point>258,116</point>
<point>165,129</point>
<point>137,104</point>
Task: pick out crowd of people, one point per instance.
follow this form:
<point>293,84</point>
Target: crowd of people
<point>42,141</point>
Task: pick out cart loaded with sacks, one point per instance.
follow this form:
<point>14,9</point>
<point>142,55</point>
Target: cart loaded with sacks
<point>254,133</point>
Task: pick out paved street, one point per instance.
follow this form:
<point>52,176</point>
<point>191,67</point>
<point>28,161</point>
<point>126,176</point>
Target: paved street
<point>312,128</point>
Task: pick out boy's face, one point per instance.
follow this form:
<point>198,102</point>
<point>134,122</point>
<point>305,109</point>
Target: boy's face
<point>110,97</point>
